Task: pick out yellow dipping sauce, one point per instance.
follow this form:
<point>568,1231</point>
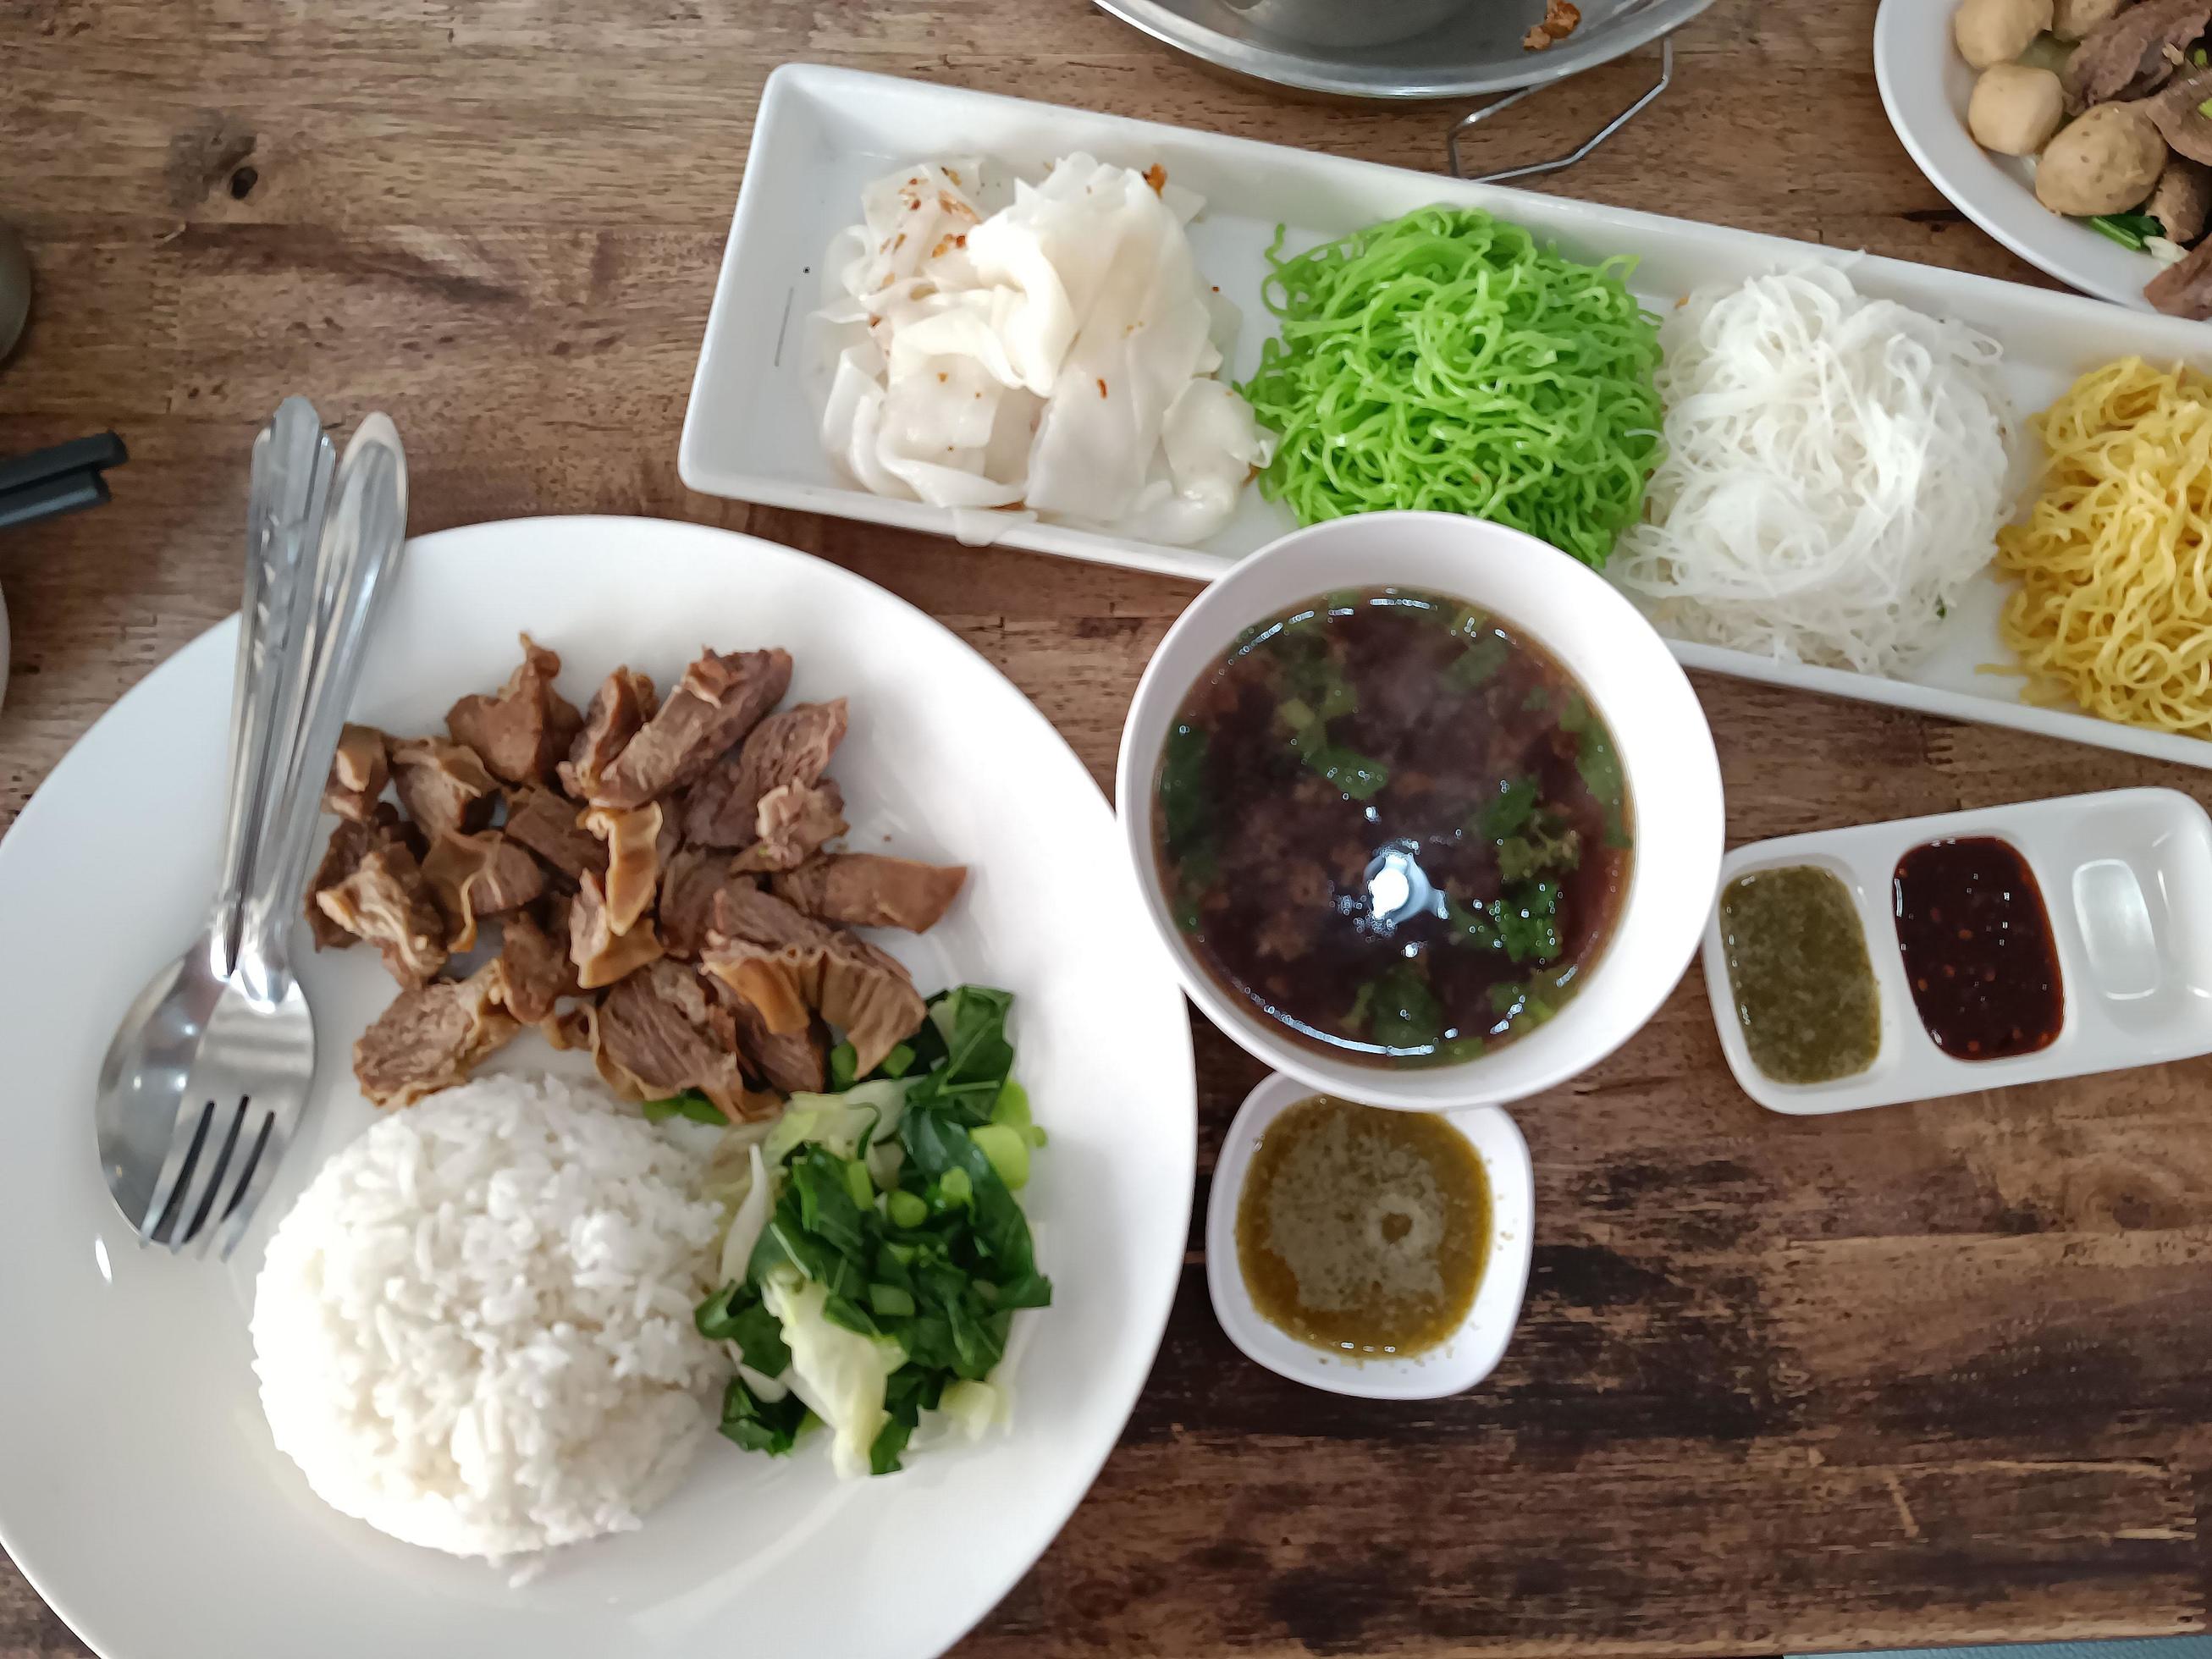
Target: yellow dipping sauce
<point>1361,1230</point>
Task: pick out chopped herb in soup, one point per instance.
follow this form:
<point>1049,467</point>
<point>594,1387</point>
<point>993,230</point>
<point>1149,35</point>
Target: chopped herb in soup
<point>1394,825</point>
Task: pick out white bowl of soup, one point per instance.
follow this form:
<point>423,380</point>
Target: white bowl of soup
<point>1424,810</point>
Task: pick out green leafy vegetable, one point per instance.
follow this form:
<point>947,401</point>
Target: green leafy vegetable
<point>690,1104</point>
<point>1548,844</point>
<point>1475,665</point>
<point>1350,771</point>
<point>1502,816</point>
<point>1600,766</point>
<point>2129,230</point>
<point>1185,812</point>
<point>758,1426</point>
<point>894,1256</point>
<point>1527,920</point>
<point>1405,1012</point>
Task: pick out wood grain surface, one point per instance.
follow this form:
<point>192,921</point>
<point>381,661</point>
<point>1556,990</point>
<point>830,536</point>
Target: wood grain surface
<point>1933,1374</point>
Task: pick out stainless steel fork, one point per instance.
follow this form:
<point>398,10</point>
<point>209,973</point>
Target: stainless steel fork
<point>206,1077</point>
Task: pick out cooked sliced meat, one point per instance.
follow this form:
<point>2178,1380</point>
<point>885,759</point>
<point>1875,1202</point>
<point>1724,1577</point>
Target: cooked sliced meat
<point>387,901</point>
<point>533,956</point>
<point>601,955</point>
<point>789,966</point>
<point>481,875</point>
<point>687,885</point>
<point>632,835</point>
<point>624,702</point>
<point>348,844</point>
<point>657,1029</point>
<point>719,700</point>
<point>546,825</point>
<point>431,1038</point>
<point>2186,289</point>
<point>795,1062</point>
<point>865,889</point>
<point>359,770</point>
<point>2183,201</point>
<point>521,733</point>
<point>2178,114</point>
<point>794,746</point>
<point>443,786</point>
<point>2135,53</point>
<point>794,822</point>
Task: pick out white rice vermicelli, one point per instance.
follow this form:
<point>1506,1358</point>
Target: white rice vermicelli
<point>474,1330</point>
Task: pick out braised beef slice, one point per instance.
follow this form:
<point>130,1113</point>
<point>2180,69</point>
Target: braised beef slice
<point>431,1038</point>
<point>2135,54</point>
<point>348,844</point>
<point>2178,112</point>
<point>545,823</point>
<point>2182,203</point>
<point>794,822</point>
<point>865,889</point>
<point>2186,289</point>
<point>533,955</point>
<point>481,875</point>
<point>688,886</point>
<point>359,768</point>
<point>794,746</point>
<point>719,700</point>
<point>524,731</point>
<point>794,1062</point>
<point>603,955</point>
<point>387,901</point>
<point>790,967</point>
<point>623,702</point>
<point>657,1026</point>
<point>443,786</point>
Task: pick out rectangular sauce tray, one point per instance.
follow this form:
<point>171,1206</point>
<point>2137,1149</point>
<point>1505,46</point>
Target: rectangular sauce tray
<point>2126,878</point>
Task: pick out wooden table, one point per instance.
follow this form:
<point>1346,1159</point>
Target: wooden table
<point>1934,1374</point>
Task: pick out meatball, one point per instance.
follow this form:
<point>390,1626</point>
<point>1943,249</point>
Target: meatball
<point>1997,31</point>
<point>2015,110</point>
<point>2104,162</point>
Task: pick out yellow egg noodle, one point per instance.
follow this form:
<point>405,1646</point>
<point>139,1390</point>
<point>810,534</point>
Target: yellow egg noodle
<point>2114,609</point>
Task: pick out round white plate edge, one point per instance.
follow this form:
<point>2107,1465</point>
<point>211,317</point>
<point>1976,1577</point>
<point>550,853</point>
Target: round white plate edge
<point>1912,53</point>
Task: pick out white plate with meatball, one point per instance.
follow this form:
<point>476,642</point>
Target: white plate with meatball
<point>140,1489</point>
<point>1928,87</point>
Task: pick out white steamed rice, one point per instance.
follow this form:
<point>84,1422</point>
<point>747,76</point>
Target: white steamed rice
<point>474,1330</point>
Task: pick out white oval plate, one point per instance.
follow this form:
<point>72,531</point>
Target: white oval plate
<point>1925,86</point>
<point>139,1490</point>
<point>1455,1364</point>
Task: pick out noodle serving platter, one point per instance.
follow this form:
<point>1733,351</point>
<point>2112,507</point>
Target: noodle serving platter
<point>823,134</point>
<point>2124,877</point>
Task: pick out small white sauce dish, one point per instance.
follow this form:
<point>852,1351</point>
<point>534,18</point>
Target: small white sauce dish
<point>1666,750</point>
<point>1454,1365</point>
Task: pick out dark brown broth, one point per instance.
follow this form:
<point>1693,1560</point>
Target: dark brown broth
<point>1393,825</point>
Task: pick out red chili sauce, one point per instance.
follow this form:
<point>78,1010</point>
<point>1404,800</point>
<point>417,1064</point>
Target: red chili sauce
<point>1978,949</point>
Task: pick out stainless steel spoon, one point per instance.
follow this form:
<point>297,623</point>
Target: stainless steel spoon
<point>207,1074</point>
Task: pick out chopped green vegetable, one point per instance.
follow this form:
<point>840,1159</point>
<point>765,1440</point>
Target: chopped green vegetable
<point>1526,920</point>
<point>1184,811</point>
<point>2129,230</point>
<point>1475,665</point>
<point>905,1210</point>
<point>1511,809</point>
<point>758,1426</point>
<point>895,1255</point>
<point>690,1104</point>
<point>1547,845</point>
<point>1405,1012</point>
<point>1008,1151</point>
<point>1600,766</point>
<point>1536,702</point>
<point>1350,771</point>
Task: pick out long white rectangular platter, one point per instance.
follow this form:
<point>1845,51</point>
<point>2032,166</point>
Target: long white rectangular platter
<point>749,432</point>
<point>2126,877</point>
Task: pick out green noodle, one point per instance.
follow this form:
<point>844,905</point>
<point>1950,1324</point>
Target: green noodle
<point>1447,362</point>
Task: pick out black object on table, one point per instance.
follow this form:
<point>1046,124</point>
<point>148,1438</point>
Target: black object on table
<point>48,483</point>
